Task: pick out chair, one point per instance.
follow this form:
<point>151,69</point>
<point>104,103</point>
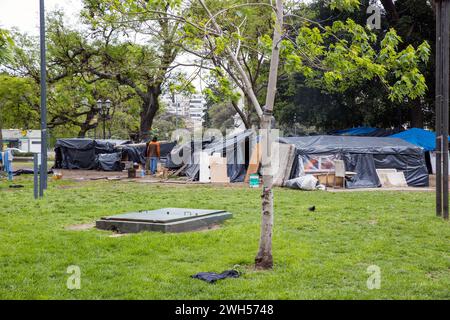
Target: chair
<point>339,172</point>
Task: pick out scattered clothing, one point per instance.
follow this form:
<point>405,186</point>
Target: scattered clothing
<point>212,277</point>
<point>28,171</point>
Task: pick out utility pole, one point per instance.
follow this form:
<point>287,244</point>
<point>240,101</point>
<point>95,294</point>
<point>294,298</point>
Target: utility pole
<point>442,105</point>
<point>43,171</point>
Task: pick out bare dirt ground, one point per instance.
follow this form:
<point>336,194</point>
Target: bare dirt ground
<point>87,175</point>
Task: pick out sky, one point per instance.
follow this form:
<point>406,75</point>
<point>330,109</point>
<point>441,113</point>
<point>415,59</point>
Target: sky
<point>24,14</point>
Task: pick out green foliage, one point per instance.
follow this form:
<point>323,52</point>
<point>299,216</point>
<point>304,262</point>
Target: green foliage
<point>349,5</point>
<point>344,54</point>
<point>6,44</point>
<point>220,116</point>
<point>19,103</point>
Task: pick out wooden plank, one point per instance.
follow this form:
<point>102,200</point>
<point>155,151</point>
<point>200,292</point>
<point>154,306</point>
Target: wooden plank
<point>218,169</point>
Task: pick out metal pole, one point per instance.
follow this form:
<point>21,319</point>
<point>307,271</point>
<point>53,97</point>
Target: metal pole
<point>104,125</point>
<point>176,115</point>
<point>445,97</point>
<point>43,177</point>
<point>36,175</point>
<point>438,111</point>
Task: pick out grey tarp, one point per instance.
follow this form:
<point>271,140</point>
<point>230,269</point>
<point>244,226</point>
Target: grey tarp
<point>364,155</point>
<point>234,148</point>
<point>81,153</point>
<point>109,161</point>
<point>75,154</point>
<point>182,154</point>
<point>135,153</point>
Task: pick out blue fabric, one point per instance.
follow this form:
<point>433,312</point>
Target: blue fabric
<point>153,164</point>
<point>355,131</point>
<point>420,137</point>
<point>8,165</point>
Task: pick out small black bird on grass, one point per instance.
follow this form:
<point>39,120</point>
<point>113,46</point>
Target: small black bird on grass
<point>313,208</point>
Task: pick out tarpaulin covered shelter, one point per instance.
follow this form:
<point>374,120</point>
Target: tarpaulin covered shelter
<point>419,137</point>
<point>82,153</point>
<point>362,155</point>
<point>235,148</point>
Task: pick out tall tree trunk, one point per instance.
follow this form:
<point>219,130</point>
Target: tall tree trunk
<point>391,10</point>
<point>150,106</point>
<point>87,124</point>
<point>264,259</point>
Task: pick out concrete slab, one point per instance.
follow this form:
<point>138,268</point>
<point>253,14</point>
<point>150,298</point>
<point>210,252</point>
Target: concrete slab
<point>163,220</point>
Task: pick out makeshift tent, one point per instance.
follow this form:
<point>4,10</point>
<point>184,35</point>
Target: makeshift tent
<point>75,154</point>
<point>236,148</point>
<point>81,153</point>
<point>420,137</point>
<point>362,155</point>
<point>365,132</point>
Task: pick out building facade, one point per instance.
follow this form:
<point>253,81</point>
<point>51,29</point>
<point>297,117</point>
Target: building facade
<point>25,140</point>
<point>189,108</point>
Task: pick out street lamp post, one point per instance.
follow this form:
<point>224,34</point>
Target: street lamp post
<point>43,80</point>
<point>103,108</point>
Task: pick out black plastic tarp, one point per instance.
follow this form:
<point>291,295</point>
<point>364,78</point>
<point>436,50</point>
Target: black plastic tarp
<point>75,154</point>
<point>109,145</point>
<point>81,153</point>
<point>135,153</point>
<point>109,161</point>
<point>363,155</point>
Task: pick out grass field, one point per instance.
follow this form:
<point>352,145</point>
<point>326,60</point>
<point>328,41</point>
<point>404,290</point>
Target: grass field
<point>318,255</point>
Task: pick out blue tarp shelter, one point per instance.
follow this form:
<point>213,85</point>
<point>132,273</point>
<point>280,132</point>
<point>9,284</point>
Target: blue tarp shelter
<point>420,137</point>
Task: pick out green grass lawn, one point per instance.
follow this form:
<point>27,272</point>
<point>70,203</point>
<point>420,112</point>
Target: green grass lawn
<point>318,255</point>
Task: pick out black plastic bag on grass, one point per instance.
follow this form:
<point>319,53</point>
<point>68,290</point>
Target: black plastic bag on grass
<point>212,277</point>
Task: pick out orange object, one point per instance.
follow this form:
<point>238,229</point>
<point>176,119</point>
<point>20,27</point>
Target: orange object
<point>254,162</point>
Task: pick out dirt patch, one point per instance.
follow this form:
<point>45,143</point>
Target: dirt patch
<point>80,227</point>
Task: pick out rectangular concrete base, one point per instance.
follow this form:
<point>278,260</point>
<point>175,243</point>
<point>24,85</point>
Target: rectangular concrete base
<point>155,221</point>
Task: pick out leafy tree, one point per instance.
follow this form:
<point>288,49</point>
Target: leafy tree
<point>115,55</point>
<point>221,116</point>
<point>365,102</point>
